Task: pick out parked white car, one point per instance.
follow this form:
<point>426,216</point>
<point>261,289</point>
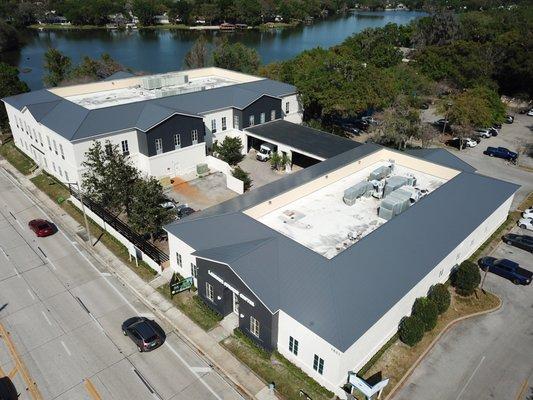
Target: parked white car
<point>467,142</point>
<point>526,223</point>
<point>484,133</point>
<point>528,213</point>
<point>530,113</point>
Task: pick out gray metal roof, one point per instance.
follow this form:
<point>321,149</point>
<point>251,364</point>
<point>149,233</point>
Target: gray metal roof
<point>75,122</point>
<point>341,298</point>
<point>304,138</point>
<point>442,157</point>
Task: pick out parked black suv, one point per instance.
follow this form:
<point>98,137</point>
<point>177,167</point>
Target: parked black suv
<point>145,333</point>
<point>524,242</point>
<point>506,269</point>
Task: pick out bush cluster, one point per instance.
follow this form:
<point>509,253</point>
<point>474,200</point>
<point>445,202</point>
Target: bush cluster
<point>411,330</point>
<point>466,278</point>
<point>440,295</point>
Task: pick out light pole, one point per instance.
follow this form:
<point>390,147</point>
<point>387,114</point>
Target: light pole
<point>90,240</point>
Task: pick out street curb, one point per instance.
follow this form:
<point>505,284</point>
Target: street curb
<point>434,342</point>
<point>225,375</point>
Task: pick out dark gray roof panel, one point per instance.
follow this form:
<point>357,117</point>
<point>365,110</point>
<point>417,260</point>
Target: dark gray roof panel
<point>24,99</point>
<point>313,141</point>
<point>442,157</point>
<point>341,298</point>
<point>40,110</point>
<point>65,118</point>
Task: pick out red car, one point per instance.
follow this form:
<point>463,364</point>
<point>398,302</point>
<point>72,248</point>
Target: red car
<point>42,227</point>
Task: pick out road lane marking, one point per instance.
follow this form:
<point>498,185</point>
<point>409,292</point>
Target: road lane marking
<point>4,252</point>
<point>202,370</point>
<point>83,305</point>
<point>469,379</point>
<point>41,250</point>
<point>522,389</point>
<point>115,289</point>
<point>16,272</point>
<point>18,222</point>
<point>147,384</point>
<point>15,218</point>
<point>21,367</point>
<point>51,263</point>
<point>91,389</point>
<point>31,294</point>
<point>66,348</point>
<point>46,318</point>
<point>12,373</point>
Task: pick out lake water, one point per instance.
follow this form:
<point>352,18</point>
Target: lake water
<point>164,50</point>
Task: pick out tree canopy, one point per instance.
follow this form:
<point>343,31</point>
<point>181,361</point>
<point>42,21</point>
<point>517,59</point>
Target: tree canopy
<point>237,57</point>
<point>10,84</point>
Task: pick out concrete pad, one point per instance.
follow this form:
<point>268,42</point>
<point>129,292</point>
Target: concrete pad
<point>67,311</point>
<point>98,298</point>
<point>23,257</point>
<point>120,380</point>
<point>10,295</point>
<point>43,282</point>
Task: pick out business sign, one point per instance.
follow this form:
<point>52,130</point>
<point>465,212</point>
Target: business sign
<point>181,286</point>
<point>364,387</point>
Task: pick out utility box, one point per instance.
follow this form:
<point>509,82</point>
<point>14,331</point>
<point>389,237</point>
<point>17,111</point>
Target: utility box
<point>393,183</point>
<point>353,193</point>
<point>394,204</point>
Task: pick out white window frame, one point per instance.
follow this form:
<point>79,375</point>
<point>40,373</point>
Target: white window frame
<point>236,121</point>
<point>158,146</point>
<point>209,291</point>
<point>177,141</point>
<point>272,115</point>
<point>194,136</point>
<point>293,345</point>
<point>55,146</point>
<point>251,120</point>
<point>194,270</point>
<point>61,151</point>
<point>179,260</point>
<point>318,364</point>
<point>125,147</point>
<point>262,118</point>
<point>224,124</point>
<point>54,166</point>
<point>66,175</point>
<point>255,326</point>
<point>213,126</point>
<point>287,107</point>
<point>49,143</point>
<point>59,169</point>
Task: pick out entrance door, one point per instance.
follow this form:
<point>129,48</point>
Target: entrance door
<point>235,303</point>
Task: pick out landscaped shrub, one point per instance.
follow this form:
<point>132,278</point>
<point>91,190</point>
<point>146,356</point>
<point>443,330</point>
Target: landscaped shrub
<point>427,311</point>
<point>466,278</point>
<point>440,295</point>
<point>243,176</point>
<point>411,330</point>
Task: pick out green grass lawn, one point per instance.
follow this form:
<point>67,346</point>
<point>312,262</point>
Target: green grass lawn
<point>56,190</point>
<point>273,367</point>
<point>17,158</point>
<point>192,306</point>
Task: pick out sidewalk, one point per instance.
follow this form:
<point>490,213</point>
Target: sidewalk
<point>207,345</point>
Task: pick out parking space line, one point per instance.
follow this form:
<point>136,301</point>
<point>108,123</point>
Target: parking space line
<point>66,348</point>
<point>46,318</point>
<point>31,294</point>
<point>89,387</point>
<point>469,379</point>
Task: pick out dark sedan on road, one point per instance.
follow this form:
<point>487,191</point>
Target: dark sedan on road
<point>506,269</point>
<point>42,227</point>
<point>524,242</point>
<point>145,333</point>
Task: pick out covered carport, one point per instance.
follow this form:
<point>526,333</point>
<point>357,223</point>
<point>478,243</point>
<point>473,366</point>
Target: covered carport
<point>305,146</point>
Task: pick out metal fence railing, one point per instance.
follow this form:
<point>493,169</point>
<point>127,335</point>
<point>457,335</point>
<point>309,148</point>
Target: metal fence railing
<point>137,240</point>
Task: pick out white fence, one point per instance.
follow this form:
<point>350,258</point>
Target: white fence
<point>132,250</point>
<point>232,183</point>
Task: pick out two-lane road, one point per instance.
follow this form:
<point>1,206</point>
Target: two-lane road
<point>64,312</point>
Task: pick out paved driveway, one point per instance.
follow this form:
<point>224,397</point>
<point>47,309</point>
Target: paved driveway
<point>489,357</point>
<point>260,172</point>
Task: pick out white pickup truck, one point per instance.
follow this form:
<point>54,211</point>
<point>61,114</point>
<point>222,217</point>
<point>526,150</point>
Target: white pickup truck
<point>265,151</point>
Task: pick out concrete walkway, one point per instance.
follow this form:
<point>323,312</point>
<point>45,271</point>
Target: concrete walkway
<point>244,379</point>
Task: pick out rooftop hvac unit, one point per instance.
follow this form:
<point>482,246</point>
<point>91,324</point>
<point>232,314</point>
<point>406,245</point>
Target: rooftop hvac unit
<point>393,183</point>
<point>380,173</point>
<point>394,204</point>
<point>353,193</point>
<point>151,82</point>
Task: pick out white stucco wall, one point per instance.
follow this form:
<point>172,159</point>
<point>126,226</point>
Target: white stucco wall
<point>295,114</point>
<point>177,162</point>
<point>220,134</point>
<point>175,245</point>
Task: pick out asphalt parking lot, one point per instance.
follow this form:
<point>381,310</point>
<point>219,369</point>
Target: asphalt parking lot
<point>487,357</point>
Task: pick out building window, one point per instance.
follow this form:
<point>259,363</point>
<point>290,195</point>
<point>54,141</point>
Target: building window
<point>287,107</point>
<point>236,122</point>
<point>293,345</point>
<point>209,292</point>
<point>54,166</point>
<point>55,147</point>
<point>59,169</point>
<point>177,141</point>
<point>159,146</point>
<point>28,130</point>
<point>263,117</point>
<point>194,270</point>
<point>40,139</point>
<point>272,115</point>
<point>45,162</point>
<point>224,126</point>
<point>125,147</point>
<point>318,364</point>
<point>194,134</point>
<point>17,121</point>
<point>213,125</point>
<point>35,135</point>
<point>178,259</point>
<point>61,150</point>
<point>49,144</point>
<point>254,326</point>
<point>252,120</point>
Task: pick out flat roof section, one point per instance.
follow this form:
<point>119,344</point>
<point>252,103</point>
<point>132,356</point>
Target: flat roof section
<point>322,222</point>
<point>322,144</point>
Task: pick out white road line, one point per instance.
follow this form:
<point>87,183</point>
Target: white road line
<point>16,272</point>
<point>46,318</point>
<point>4,252</point>
<point>66,348</point>
<point>18,222</point>
<point>51,263</point>
<point>202,370</point>
<point>469,379</point>
<point>31,294</point>
<point>113,287</point>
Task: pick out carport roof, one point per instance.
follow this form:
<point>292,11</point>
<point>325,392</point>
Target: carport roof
<point>303,138</point>
<point>340,298</point>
